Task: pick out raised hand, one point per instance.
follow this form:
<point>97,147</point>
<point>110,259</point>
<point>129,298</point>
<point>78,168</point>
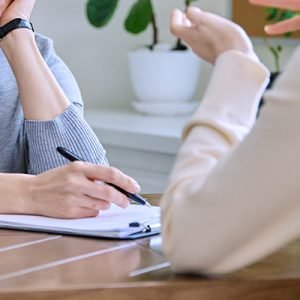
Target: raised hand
<point>209,35</point>
<point>15,9</point>
<point>289,25</point>
<point>3,5</point>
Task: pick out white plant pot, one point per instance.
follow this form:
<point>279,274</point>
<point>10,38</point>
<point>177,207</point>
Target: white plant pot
<point>163,76</point>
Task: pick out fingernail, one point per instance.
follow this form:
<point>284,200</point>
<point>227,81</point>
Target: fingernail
<point>267,29</point>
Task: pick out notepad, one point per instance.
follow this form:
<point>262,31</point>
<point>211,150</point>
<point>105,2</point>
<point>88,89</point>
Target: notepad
<point>115,223</point>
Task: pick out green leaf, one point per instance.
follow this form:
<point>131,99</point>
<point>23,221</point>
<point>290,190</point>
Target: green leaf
<point>286,14</point>
<point>139,16</point>
<point>100,12</point>
<point>188,2</point>
<point>272,13</point>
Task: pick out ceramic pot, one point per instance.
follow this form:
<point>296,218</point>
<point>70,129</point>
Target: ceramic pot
<point>163,75</point>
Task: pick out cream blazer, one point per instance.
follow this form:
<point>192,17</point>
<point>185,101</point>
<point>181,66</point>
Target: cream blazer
<point>233,196</point>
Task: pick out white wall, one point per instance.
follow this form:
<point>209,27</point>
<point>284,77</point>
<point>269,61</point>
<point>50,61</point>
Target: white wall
<point>98,57</point>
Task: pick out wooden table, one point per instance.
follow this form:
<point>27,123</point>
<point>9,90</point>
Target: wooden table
<point>43,266</point>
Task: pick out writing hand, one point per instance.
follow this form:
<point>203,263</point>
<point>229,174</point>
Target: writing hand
<point>289,25</point>
<point>209,35</point>
<point>72,191</point>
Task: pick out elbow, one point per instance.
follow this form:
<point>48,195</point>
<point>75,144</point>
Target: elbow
<point>194,239</point>
<point>185,259</point>
<point>189,253</point>
<point>192,249</point>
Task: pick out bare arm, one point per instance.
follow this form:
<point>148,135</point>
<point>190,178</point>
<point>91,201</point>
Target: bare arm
<point>41,96</point>
<point>70,191</point>
<point>44,85</point>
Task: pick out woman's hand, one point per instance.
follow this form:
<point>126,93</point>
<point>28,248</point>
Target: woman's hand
<point>209,35</point>
<point>76,191</point>
<point>3,5</point>
<point>10,10</point>
<point>289,25</point>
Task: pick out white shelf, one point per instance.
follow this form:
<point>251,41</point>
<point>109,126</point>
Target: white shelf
<point>143,147</point>
<point>136,131</point>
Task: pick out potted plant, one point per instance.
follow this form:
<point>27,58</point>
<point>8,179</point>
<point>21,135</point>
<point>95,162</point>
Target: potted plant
<point>164,77</point>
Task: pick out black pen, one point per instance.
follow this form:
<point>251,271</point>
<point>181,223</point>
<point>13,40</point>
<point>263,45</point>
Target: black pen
<point>134,197</point>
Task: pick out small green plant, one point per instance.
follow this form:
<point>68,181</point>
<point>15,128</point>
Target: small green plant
<point>277,15</point>
<point>140,16</point>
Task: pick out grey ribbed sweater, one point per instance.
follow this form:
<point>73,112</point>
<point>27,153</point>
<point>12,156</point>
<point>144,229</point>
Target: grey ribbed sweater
<point>28,146</point>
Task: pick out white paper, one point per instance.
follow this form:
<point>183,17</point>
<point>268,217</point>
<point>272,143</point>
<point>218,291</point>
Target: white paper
<point>113,222</point>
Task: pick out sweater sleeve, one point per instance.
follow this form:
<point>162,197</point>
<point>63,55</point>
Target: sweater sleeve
<point>68,129</point>
<point>233,195</point>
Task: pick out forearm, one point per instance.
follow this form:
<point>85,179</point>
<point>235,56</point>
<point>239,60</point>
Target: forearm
<point>191,202</point>
<point>40,94</point>
<point>225,116</point>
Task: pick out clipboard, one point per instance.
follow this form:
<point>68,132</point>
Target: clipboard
<point>134,222</point>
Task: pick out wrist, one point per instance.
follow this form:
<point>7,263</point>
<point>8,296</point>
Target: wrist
<point>15,41</point>
<point>15,25</point>
<point>27,192</point>
<point>15,193</point>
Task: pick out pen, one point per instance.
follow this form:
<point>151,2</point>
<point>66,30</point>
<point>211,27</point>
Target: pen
<point>134,197</point>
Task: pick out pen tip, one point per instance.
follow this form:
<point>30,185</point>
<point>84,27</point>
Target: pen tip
<point>147,204</point>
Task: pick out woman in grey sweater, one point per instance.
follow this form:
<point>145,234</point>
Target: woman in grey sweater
<point>41,108</point>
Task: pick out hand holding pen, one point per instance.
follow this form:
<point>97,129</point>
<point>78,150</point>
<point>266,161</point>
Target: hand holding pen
<point>133,197</point>
<point>70,191</point>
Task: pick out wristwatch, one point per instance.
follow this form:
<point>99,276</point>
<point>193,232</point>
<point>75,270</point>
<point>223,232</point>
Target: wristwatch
<point>14,24</point>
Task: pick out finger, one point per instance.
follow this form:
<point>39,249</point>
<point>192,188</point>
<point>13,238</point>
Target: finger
<point>104,194</point>
<point>195,15</point>
<point>95,204</point>
<point>112,195</point>
<point>206,19</point>
<point>178,18</point>
<point>284,4</point>
<point>290,25</point>
<point>80,212</point>
<point>4,4</point>
<point>84,212</point>
<point>185,25</point>
<point>111,175</point>
<point>179,24</point>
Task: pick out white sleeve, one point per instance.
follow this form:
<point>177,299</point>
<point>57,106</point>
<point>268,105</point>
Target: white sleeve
<point>233,197</point>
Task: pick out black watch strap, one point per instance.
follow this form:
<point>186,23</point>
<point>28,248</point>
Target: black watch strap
<point>14,24</point>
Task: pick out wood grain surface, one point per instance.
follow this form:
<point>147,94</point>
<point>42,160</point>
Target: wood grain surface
<point>43,266</point>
